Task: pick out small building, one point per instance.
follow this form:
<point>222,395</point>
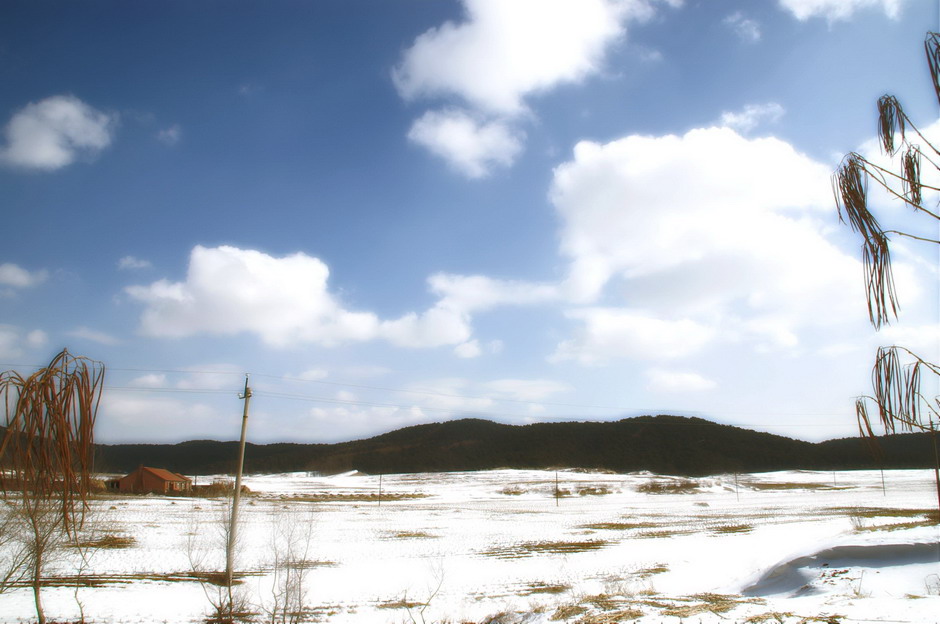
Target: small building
<point>145,480</point>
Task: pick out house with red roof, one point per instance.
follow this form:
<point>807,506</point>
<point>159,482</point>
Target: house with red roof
<point>147,480</point>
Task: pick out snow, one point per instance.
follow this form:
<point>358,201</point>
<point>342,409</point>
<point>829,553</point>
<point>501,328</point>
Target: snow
<point>774,547</point>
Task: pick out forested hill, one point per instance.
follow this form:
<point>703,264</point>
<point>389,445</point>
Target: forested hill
<point>661,444</point>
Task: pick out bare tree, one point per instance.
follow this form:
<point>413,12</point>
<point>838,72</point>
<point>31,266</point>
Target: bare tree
<point>899,392</point>
<point>207,558</point>
<point>291,536</point>
<point>47,452</point>
<point>14,553</point>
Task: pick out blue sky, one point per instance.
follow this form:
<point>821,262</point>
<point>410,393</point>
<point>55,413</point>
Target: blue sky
<point>405,211</point>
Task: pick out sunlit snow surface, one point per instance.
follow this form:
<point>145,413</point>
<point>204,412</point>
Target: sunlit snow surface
<point>770,547</point>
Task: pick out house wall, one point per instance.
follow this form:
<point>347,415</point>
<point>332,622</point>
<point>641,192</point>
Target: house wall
<point>142,481</point>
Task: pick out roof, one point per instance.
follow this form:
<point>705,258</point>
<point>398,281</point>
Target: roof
<point>166,475</point>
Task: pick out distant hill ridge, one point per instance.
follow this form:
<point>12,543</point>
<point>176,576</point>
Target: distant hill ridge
<point>661,444</point>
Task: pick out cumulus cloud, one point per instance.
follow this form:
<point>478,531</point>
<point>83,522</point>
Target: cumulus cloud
<point>475,293</point>
<point>93,335</point>
<point>736,250</point>
<point>469,146</point>
<point>171,135</point>
<point>284,301</point>
<point>18,277</point>
<point>14,343</point>
<point>747,29</point>
<point>751,116</point>
<point>141,416</point>
<point>525,389</point>
<point>607,334</point>
<point>468,350</point>
<point>130,263</point>
<point>499,55</point>
<point>150,380</point>
<point>36,339</point>
<point>503,51</point>
<point>835,10</point>
<point>313,374</point>
<point>229,291</point>
<point>441,325</point>
<point>55,132</point>
<point>921,339</point>
<point>667,381</point>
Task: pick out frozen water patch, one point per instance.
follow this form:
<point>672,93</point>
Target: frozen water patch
<point>805,575</point>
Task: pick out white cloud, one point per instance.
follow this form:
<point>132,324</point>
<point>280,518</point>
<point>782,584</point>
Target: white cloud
<point>93,335</point>
<point>18,277</point>
<point>129,263</point>
<point>150,380</point>
<point>13,343</point>
<point>525,389</point>
<point>924,340</point>
<point>218,376</point>
<point>313,374</point>
<point>736,247</point>
<point>468,350</point>
<point>752,115</point>
<point>284,300</point>
<point>231,291</point>
<point>497,57</point>
<point>171,135</point>
<point>469,146</point>
<point>359,421</point>
<point>9,341</point>
<point>141,416</point>
<point>661,380</point>
<point>607,334</point>
<point>473,293</point>
<point>504,51</point>
<point>439,326</point>
<point>835,10</point>
<point>451,394</point>
<point>36,339</point>
<point>747,29</point>
<point>54,132</point>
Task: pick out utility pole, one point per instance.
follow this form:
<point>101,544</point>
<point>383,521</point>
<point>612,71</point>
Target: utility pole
<point>230,549</point>
<point>936,465</point>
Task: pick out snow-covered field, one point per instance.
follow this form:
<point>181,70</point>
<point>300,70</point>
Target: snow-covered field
<point>499,546</point>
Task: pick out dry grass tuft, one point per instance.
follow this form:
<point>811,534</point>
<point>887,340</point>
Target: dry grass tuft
<point>659,486</point>
<point>704,603</point>
<point>612,617</point>
<point>527,549</point>
<point>769,618</point>
<point>412,535</point>
<point>399,604</point>
<point>734,528</point>
<point>544,588</point>
<point>663,533</point>
<point>114,542</point>
<point>567,611</point>
<point>331,497</point>
<point>619,526</point>
<point>660,569</point>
